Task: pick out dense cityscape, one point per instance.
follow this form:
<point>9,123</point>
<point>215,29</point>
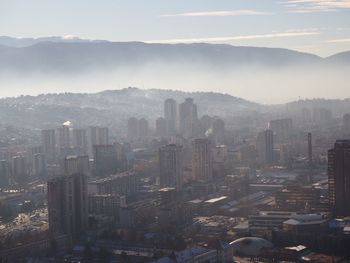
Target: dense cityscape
<point>175,131</point>
<point>180,185</point>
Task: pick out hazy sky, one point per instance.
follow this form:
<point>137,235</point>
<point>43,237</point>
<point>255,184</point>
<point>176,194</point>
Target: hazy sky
<point>317,26</point>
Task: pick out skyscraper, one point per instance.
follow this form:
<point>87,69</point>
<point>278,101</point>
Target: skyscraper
<point>188,118</point>
<point>63,140</point>
<point>79,141</point>
<point>97,136</point>
<point>133,128</point>
<point>143,127</point>
<point>103,135</point>
<point>265,147</point>
<point>218,131</point>
<point>170,166</point>
<point>346,123</point>
<point>76,164</point>
<point>170,115</point>
<point>49,145</point>
<point>39,165</point>
<point>202,163</point>
<point>309,143</point>
<point>19,169</point>
<point>67,205</point>
<point>5,173</point>
<point>339,177</point>
<point>105,159</point>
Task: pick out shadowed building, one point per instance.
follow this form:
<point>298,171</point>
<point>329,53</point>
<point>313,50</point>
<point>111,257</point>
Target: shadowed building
<point>188,118</point>
<point>48,141</point>
<point>105,158</point>
<point>170,166</point>
<point>67,205</point>
<point>202,163</point>
<point>265,147</point>
<point>170,115</point>
<point>339,177</point>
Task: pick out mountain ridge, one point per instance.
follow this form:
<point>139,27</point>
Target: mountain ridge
<point>25,42</point>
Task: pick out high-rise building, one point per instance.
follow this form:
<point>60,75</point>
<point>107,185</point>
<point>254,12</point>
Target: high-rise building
<point>309,143</point>
<point>339,177</point>
<point>63,140</point>
<point>133,128</point>
<point>67,205</point>
<point>202,163</point>
<point>170,166</point>
<point>39,165</point>
<point>5,173</point>
<point>19,169</point>
<point>218,131</point>
<point>76,164</point>
<point>93,139</point>
<point>143,128</point>
<point>346,123</point>
<point>161,128</point>
<point>265,148</point>
<point>170,115</point>
<point>282,129</point>
<point>105,159</point>
<point>97,136</point>
<point>79,141</point>
<point>188,118</point>
<point>116,184</point>
<point>103,136</point>
<point>49,145</point>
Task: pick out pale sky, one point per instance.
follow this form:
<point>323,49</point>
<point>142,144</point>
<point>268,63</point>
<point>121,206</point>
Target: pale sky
<point>321,27</point>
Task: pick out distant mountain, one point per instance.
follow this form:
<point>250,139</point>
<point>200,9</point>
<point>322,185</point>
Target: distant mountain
<point>26,42</point>
<point>111,108</point>
<point>58,55</point>
<point>340,58</point>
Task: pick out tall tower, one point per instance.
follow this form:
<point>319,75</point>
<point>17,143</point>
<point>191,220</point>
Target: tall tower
<point>67,205</point>
<point>265,147</point>
<point>339,177</point>
<point>346,124</point>
<point>5,173</point>
<point>63,140</point>
<point>97,136</point>
<point>133,128</point>
<point>80,141</point>
<point>170,166</point>
<point>202,163</point>
<point>309,142</point>
<point>106,161</point>
<point>19,169</point>
<point>103,135</point>
<point>188,118</point>
<point>76,164</point>
<point>170,115</point>
<point>48,141</point>
<point>39,165</point>
<point>143,128</point>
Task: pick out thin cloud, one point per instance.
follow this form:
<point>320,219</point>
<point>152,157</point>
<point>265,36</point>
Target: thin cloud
<point>340,40</point>
<point>218,13</point>
<point>314,6</point>
<point>233,38</point>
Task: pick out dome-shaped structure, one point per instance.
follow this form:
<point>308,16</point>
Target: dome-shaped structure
<point>249,246</point>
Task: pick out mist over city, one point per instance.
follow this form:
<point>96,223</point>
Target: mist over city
<point>187,131</point>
